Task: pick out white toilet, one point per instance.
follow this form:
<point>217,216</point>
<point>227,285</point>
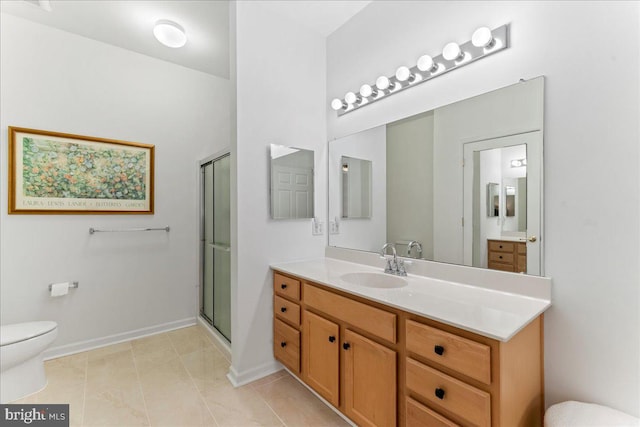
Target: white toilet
<point>21,364</point>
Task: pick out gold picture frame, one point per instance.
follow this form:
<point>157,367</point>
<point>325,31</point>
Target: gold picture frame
<point>60,173</point>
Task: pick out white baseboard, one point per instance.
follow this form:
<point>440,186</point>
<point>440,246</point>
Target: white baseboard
<point>219,340</point>
<point>241,378</point>
<point>78,347</point>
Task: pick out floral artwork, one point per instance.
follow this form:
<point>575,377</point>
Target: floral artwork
<point>74,174</point>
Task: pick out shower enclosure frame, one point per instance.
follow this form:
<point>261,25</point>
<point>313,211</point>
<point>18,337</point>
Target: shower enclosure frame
<point>202,241</point>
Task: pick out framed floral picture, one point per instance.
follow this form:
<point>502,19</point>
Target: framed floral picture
<point>58,173</point>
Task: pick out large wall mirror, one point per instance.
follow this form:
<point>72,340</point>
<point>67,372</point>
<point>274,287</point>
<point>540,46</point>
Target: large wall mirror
<point>453,179</point>
<point>291,182</point>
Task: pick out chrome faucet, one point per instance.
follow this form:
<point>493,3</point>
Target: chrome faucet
<point>418,246</point>
<point>394,266</point>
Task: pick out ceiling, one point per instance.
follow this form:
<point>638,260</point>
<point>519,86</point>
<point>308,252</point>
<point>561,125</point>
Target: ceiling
<point>129,24</point>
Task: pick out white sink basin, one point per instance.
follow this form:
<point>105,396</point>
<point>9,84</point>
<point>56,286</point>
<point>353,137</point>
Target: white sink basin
<point>374,280</point>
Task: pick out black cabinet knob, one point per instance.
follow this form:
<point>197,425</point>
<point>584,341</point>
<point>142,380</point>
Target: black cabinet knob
<point>283,309</point>
<point>439,350</point>
<point>500,246</point>
<point>283,344</point>
<point>440,393</point>
<point>500,257</point>
<point>346,346</point>
<point>283,286</point>
<point>332,338</point>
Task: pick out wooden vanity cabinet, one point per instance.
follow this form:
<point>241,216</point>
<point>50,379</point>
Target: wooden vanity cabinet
<point>507,255</point>
<point>381,366</point>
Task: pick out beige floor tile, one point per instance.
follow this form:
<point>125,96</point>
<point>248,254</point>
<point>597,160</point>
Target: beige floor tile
<point>63,393</point>
<point>296,405</point>
<point>68,370</point>
<point>162,379</point>
<point>110,349</point>
<point>180,405</point>
<point>188,340</point>
<point>116,407</point>
<point>241,406</point>
<point>206,367</point>
<point>114,370</point>
<point>269,378</point>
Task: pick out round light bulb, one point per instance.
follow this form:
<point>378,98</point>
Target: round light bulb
<point>383,83</point>
<point>366,91</point>
<point>451,52</point>
<point>403,74</point>
<point>350,97</point>
<point>170,34</point>
<point>482,37</point>
<point>337,104</point>
<point>425,63</point>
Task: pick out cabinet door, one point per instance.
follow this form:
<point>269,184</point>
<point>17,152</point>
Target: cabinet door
<point>320,354</point>
<point>370,381</point>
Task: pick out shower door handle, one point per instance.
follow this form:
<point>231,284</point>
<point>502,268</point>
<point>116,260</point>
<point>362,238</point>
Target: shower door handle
<point>220,247</point>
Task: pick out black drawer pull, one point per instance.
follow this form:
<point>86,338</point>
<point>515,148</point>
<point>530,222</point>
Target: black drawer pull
<point>440,393</point>
<point>283,286</point>
<point>500,246</point>
<point>500,257</point>
<point>346,346</point>
<point>283,344</point>
<point>332,338</point>
<point>283,309</point>
<point>439,350</point>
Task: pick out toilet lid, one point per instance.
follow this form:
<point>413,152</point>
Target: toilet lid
<point>11,334</point>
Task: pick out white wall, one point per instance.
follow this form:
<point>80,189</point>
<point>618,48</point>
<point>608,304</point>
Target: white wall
<point>280,99</point>
<point>367,234</point>
<point>591,128</point>
<point>57,81</point>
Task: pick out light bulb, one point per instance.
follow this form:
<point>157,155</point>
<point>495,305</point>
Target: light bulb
<point>403,74</point>
<point>482,37</point>
<point>383,83</point>
<point>452,52</point>
<point>425,63</point>
<point>337,104</point>
<point>169,33</point>
<point>367,91</point>
<point>351,98</point>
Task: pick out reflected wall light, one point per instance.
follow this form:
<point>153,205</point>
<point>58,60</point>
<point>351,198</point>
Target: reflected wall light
<point>170,33</point>
<point>484,42</point>
<point>518,163</point>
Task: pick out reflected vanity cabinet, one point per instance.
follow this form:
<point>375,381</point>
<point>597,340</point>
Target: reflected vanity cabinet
<point>381,366</point>
<point>507,255</point>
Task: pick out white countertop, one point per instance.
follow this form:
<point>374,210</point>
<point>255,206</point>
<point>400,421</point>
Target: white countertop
<point>494,314</point>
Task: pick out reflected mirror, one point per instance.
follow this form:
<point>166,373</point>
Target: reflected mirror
<point>291,182</point>
<point>441,180</point>
<point>493,199</point>
<point>356,187</point>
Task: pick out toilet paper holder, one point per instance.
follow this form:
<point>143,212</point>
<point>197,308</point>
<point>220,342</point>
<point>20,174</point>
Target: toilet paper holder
<point>71,285</point>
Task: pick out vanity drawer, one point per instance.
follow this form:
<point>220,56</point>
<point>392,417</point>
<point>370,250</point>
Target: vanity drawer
<point>286,345</point>
<point>467,402</point>
<point>373,320</point>
<point>419,415</point>
<point>287,310</point>
<point>286,286</point>
<point>460,354</point>
<point>501,257</point>
<point>500,246</point>
<point>500,266</point>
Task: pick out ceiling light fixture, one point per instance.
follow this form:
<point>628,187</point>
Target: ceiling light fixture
<point>170,34</point>
<point>484,42</point>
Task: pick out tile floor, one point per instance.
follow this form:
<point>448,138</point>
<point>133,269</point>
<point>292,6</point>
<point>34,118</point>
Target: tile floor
<point>177,379</point>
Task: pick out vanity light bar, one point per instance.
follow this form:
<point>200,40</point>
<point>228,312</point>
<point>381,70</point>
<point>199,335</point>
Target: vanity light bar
<point>484,42</point>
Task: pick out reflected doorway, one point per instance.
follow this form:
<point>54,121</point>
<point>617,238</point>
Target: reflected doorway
<point>215,243</point>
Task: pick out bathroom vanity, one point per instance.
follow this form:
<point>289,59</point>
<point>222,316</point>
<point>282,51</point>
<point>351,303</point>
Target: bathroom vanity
<point>414,351</point>
<point>507,255</point>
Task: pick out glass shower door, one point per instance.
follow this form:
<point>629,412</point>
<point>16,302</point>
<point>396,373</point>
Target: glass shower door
<point>215,304</point>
